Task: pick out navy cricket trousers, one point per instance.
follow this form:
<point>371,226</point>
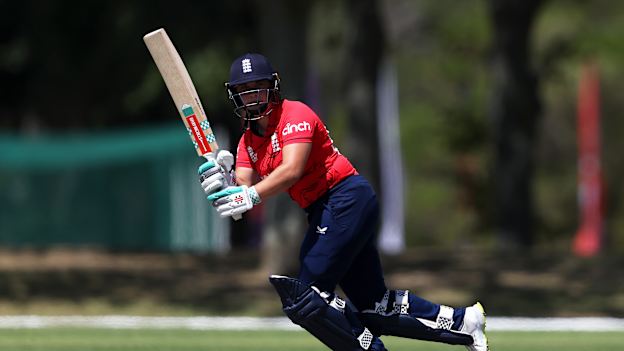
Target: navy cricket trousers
<point>339,247</point>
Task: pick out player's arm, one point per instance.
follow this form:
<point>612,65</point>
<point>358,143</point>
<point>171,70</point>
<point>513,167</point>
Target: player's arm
<point>245,176</point>
<point>294,159</point>
<point>239,199</point>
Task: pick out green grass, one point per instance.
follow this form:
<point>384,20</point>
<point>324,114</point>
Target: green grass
<point>64,339</point>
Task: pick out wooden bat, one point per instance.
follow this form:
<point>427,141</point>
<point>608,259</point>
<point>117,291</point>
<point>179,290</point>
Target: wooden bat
<point>184,95</point>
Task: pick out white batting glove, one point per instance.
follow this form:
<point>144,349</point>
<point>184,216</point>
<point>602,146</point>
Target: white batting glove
<point>235,200</point>
<point>215,176</point>
<point>225,159</point>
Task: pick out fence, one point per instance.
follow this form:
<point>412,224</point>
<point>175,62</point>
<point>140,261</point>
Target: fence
<point>130,189</point>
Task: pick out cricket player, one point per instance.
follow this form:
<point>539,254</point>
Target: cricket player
<point>286,147</point>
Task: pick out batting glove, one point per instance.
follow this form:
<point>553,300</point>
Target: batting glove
<point>216,175</point>
<point>235,200</point>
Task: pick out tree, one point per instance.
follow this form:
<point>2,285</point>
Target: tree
<point>282,34</point>
<point>364,48</point>
<point>515,112</point>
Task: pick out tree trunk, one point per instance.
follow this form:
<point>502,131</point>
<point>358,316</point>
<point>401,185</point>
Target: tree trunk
<point>515,110</point>
<point>365,44</point>
<point>283,34</point>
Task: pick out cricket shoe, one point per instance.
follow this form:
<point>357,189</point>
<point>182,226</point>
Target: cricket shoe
<point>474,324</point>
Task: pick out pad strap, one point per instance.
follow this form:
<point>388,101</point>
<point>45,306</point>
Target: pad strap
<point>382,306</point>
<point>365,339</point>
<point>444,319</point>
<point>400,303</point>
<point>336,302</point>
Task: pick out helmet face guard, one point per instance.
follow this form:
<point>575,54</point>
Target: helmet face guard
<point>254,104</point>
<point>251,99</point>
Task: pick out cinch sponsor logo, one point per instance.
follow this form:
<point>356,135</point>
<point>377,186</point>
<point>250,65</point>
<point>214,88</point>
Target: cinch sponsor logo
<point>198,134</point>
<point>300,127</point>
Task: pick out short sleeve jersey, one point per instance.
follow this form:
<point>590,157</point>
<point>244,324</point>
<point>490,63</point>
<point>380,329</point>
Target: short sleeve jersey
<point>294,122</point>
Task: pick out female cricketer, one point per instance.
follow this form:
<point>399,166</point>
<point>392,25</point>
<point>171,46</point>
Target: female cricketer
<point>286,147</point>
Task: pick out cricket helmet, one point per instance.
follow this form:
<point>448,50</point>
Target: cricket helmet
<point>255,102</point>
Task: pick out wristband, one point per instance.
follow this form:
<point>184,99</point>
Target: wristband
<point>253,195</point>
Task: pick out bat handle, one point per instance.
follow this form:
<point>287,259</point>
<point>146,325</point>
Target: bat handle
<point>230,181</point>
<point>228,178</point>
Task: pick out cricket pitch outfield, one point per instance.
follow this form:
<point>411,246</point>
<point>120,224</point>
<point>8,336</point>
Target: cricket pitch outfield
<point>75,339</point>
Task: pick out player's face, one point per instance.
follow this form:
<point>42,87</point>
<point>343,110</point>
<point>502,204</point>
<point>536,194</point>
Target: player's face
<point>254,96</point>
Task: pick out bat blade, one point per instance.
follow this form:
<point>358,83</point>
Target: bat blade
<point>185,97</point>
<point>182,90</point>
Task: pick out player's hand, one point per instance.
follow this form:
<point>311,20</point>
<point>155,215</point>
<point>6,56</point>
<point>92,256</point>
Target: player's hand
<point>216,175</point>
<point>234,200</point>
<point>226,160</point>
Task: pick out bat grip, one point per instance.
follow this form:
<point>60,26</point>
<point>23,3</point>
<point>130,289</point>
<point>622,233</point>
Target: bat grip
<point>228,178</point>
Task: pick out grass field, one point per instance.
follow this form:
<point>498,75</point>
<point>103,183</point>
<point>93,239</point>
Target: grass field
<point>69,339</point>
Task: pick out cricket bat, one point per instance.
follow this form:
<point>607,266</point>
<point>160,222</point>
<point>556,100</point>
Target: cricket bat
<point>184,95</point>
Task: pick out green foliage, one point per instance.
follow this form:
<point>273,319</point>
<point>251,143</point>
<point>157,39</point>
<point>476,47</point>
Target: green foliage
<point>443,94</point>
<point>567,34</point>
<point>82,65</point>
<point>71,64</point>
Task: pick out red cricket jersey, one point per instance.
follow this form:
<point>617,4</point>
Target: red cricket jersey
<point>294,122</point>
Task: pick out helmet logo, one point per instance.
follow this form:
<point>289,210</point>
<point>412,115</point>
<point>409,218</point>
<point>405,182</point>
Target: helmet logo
<point>246,63</point>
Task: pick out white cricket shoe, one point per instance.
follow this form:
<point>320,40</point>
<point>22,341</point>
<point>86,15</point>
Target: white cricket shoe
<point>474,324</point>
